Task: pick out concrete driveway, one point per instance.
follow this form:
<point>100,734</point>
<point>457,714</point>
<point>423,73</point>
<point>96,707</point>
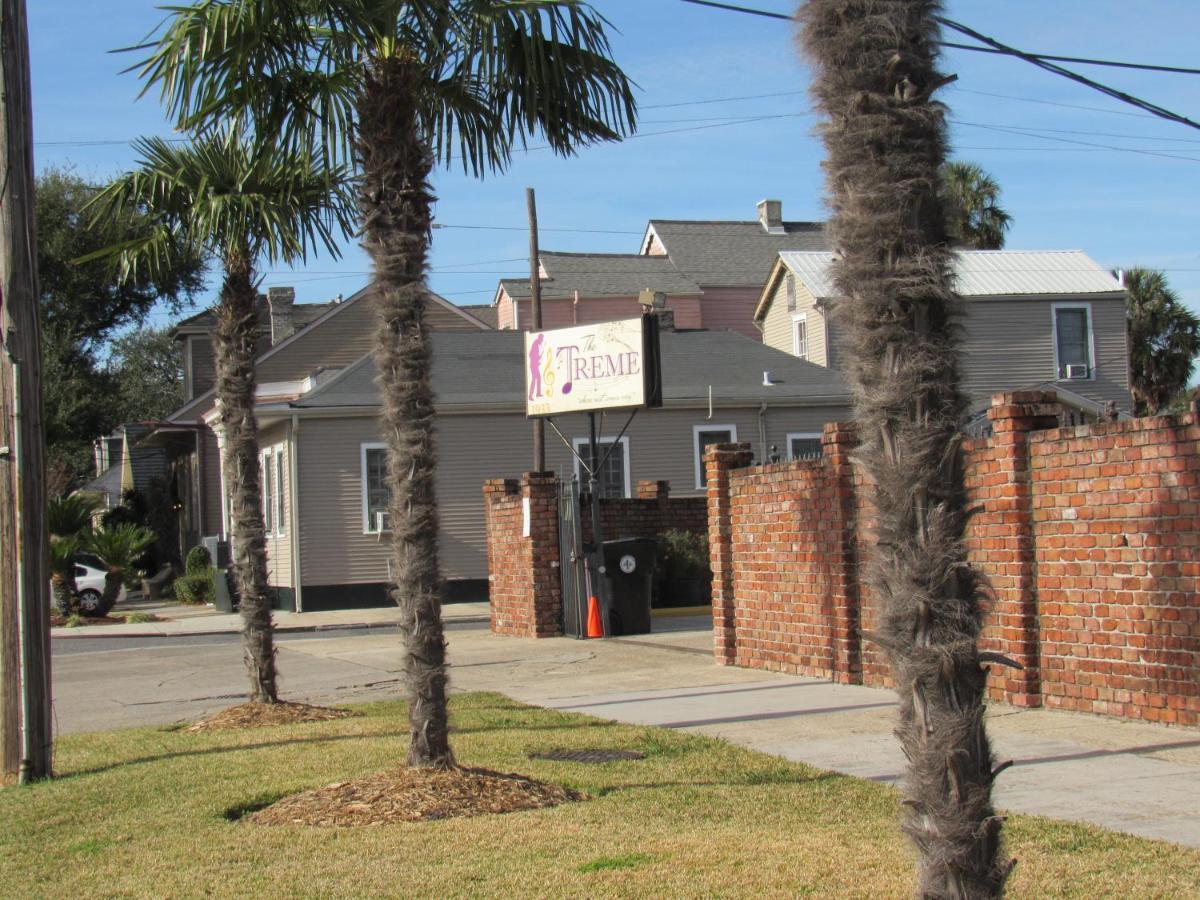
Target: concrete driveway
<point>1143,779</point>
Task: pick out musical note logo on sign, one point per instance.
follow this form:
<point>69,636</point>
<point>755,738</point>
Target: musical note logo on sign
<point>585,367</point>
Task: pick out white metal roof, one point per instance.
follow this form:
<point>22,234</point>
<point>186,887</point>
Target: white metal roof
<point>986,273</point>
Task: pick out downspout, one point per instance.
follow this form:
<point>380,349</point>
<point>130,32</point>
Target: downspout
<point>294,499</point>
<point>762,433</point>
<point>575,309</point>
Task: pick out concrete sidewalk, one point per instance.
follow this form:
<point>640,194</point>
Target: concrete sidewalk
<point>188,621</point>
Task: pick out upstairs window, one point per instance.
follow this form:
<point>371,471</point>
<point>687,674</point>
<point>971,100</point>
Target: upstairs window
<point>376,495</point>
<point>702,437</point>
<point>1073,341</point>
<point>789,287</point>
<point>800,337</point>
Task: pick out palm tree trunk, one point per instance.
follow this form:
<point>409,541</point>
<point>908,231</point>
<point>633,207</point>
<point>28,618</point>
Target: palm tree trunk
<point>235,340</point>
<point>395,202</point>
<point>112,590</point>
<point>874,65</point>
<point>63,596</point>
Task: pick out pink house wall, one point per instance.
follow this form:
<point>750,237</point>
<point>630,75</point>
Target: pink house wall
<point>731,309</point>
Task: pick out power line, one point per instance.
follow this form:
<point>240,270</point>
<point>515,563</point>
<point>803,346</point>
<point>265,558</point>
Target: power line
<point>1160,111</point>
<point>1039,61</point>
<point>722,100</point>
<point>1002,51</point>
<point>1049,137</point>
<point>1148,67</point>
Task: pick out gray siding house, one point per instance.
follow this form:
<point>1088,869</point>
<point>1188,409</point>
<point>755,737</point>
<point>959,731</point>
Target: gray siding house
<point>1031,319</point>
<point>328,537</point>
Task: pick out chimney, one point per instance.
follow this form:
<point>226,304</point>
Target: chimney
<point>770,216</point>
<point>280,300</point>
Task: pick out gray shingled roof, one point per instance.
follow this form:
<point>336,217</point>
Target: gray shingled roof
<point>486,368</point>
<point>603,275</point>
<point>488,315</point>
<point>302,314</point>
<point>733,254</point>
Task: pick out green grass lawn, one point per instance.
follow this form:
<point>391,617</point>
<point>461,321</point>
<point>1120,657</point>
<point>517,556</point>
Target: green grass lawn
<point>148,813</point>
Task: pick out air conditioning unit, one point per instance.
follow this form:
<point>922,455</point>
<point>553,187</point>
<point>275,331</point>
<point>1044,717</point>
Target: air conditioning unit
<point>1077,372</point>
<point>383,521</point>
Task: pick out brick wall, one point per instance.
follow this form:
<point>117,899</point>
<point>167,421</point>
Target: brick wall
<point>1088,536</point>
<point>524,585</point>
<point>523,580</point>
<point>649,514</point>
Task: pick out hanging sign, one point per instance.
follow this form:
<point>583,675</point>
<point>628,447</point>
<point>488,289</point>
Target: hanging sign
<point>607,365</point>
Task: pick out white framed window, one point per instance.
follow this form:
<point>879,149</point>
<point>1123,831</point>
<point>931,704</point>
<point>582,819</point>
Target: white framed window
<point>265,474</point>
<point>803,445</point>
<point>613,477</point>
<point>270,471</point>
<point>702,436</point>
<point>1074,341</point>
<point>376,495</point>
<point>280,520</point>
<point>800,336</point>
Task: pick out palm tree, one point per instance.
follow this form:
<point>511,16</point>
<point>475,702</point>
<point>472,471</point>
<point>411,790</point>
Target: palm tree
<point>118,546</point>
<point>68,522</point>
<point>62,573</point>
<point>401,86</point>
<point>240,201</point>
<point>1164,340</point>
<point>875,72</point>
<point>971,199</point>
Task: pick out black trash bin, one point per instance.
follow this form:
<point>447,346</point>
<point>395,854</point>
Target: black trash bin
<point>629,569</point>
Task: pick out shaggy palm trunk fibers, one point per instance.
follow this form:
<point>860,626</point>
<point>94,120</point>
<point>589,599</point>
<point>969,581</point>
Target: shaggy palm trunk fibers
<point>235,340</point>
<point>885,141</point>
<point>395,203</point>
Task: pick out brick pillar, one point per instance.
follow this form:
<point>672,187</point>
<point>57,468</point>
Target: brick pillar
<point>719,461</point>
<point>524,589</point>
<point>837,442</point>
<point>1007,542</point>
<point>653,490</point>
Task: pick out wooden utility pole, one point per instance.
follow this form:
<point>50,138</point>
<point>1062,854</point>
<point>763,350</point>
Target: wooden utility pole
<point>24,570</point>
<point>535,302</point>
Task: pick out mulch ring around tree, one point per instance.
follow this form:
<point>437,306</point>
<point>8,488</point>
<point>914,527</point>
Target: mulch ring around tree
<point>414,795</point>
<point>263,715</point>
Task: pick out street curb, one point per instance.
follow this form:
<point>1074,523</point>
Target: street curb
<point>286,629</point>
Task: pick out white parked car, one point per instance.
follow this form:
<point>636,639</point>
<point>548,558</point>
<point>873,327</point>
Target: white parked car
<point>89,580</point>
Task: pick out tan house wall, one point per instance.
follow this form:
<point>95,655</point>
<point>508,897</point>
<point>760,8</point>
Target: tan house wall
<point>777,324</point>
<point>473,448</point>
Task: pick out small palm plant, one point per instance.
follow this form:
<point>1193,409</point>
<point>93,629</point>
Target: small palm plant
<point>68,522</point>
<point>118,547</point>
<point>62,573</point>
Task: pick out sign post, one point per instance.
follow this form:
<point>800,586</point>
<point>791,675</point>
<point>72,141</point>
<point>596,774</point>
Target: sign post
<point>593,368</point>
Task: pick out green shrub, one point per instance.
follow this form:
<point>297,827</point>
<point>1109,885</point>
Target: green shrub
<point>683,576</point>
<point>683,554</point>
<point>195,587</point>
<point>198,560</point>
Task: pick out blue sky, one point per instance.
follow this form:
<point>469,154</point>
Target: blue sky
<point>1062,183</point>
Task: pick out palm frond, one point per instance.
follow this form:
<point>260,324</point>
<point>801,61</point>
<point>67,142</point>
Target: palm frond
<point>238,199</point>
<point>70,516</point>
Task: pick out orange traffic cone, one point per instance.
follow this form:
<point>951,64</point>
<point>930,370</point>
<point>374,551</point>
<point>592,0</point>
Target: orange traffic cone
<point>594,628</point>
